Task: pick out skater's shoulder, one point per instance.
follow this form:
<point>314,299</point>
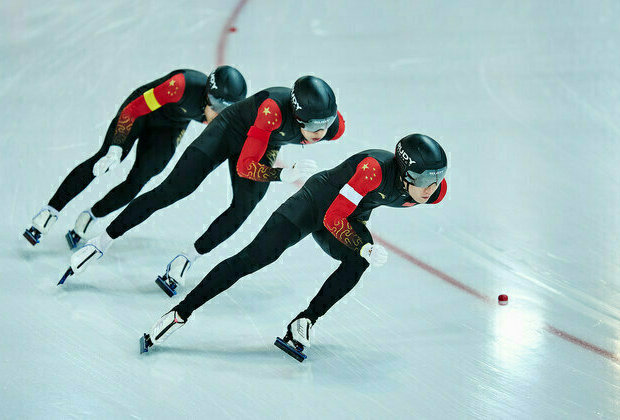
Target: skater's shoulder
<point>377,155</point>
<point>281,95</point>
<point>190,73</point>
<point>193,77</point>
<point>271,102</point>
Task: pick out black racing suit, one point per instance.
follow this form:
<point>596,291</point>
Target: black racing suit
<point>248,134</point>
<point>159,130</point>
<point>312,210</point>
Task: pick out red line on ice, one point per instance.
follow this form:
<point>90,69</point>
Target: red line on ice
<point>578,341</point>
<point>437,273</point>
<point>221,47</point>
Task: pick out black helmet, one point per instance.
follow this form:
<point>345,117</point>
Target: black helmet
<point>421,160</point>
<point>313,103</point>
<point>225,86</point>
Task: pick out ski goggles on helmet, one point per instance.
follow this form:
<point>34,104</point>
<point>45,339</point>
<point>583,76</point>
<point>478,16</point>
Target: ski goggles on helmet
<point>217,104</point>
<point>316,125</point>
<point>426,178</point>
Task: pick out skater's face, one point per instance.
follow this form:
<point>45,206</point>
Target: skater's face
<point>420,195</point>
<point>313,136</point>
<point>210,114</point>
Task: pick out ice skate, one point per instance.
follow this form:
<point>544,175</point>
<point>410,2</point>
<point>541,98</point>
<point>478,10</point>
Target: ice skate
<point>90,252</point>
<point>296,339</point>
<point>41,224</point>
<point>163,328</point>
<point>82,227</point>
<point>175,274</point>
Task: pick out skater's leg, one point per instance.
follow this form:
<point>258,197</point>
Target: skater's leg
<point>82,175</point>
<point>246,195</point>
<point>155,149</point>
<point>189,172</point>
<point>274,238</point>
<point>337,285</point>
<point>205,154</point>
<point>346,276</point>
<point>192,168</point>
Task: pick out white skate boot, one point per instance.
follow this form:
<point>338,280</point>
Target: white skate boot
<point>299,330</point>
<point>91,251</point>
<point>83,226</point>
<point>162,329</point>
<point>296,339</point>
<point>41,223</point>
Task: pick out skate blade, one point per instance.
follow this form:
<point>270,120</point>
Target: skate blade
<point>72,240</point>
<point>68,273</point>
<point>144,347</point>
<point>30,237</point>
<point>163,284</point>
<point>290,350</point>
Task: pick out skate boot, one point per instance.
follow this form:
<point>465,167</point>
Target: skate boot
<point>296,339</point>
<point>41,223</point>
<point>175,274</point>
<point>91,251</point>
<point>162,329</point>
<point>82,226</point>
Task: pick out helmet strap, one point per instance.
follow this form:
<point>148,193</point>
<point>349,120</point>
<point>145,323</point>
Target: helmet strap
<point>406,183</point>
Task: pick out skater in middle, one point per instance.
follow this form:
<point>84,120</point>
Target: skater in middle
<point>248,134</point>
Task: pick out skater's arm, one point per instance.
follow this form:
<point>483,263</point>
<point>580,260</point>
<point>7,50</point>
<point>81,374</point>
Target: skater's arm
<point>167,92</point>
<point>367,177</point>
<point>268,119</point>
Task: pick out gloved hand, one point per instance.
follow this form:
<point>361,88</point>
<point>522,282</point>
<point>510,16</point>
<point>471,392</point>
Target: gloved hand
<point>302,169</point>
<point>109,161</point>
<point>375,254</point>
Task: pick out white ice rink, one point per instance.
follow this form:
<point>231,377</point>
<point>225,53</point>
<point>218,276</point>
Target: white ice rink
<point>525,97</point>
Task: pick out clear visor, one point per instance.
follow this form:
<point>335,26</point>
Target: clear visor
<point>316,125</point>
<point>217,104</point>
<point>426,178</point>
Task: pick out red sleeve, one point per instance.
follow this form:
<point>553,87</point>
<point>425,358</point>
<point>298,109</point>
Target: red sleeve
<point>443,188</point>
<point>367,177</point>
<point>340,127</point>
<point>167,92</point>
<point>268,119</point>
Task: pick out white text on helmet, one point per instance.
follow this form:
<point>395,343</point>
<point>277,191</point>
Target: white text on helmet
<point>404,155</point>
<point>294,101</point>
<point>212,81</point>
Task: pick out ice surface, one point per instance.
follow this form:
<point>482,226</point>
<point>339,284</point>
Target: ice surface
<point>524,96</point>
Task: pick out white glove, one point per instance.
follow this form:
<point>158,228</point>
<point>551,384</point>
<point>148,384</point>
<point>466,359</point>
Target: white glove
<point>375,254</point>
<point>109,161</point>
<point>302,169</point>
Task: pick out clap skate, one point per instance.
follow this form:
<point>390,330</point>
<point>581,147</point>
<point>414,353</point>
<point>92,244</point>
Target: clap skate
<point>72,239</point>
<point>82,225</point>
<point>41,223</point>
<point>175,275</point>
<point>296,339</point>
<point>163,328</point>
<point>90,252</point>
<point>32,235</point>
<point>291,348</point>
